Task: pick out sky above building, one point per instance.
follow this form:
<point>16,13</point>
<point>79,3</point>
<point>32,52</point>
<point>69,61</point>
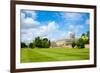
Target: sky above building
<point>53,25</point>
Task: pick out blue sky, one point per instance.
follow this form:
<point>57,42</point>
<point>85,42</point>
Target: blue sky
<point>53,25</point>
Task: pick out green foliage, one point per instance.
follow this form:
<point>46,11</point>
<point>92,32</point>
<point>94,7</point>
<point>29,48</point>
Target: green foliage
<point>73,44</point>
<point>41,43</point>
<point>31,45</point>
<point>38,42</point>
<point>80,43</point>
<point>84,39</point>
<point>88,35</point>
<point>45,43</point>
<point>83,34</point>
<point>23,45</point>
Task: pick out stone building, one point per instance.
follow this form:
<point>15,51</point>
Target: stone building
<point>64,42</point>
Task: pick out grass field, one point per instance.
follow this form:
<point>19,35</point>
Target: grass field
<point>53,54</point>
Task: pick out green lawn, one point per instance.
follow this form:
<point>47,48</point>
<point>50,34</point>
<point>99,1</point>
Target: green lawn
<point>53,54</point>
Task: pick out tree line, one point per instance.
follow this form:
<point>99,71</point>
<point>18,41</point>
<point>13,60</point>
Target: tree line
<point>37,43</point>
<point>45,43</point>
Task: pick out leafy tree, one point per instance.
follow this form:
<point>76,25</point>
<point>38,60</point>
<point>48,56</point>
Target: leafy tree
<point>38,42</point>
<point>83,34</point>
<point>85,38</point>
<point>80,43</point>
<point>31,45</point>
<point>73,44</point>
<point>45,43</point>
<point>23,45</point>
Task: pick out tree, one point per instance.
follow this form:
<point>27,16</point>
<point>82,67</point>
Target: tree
<point>88,35</point>
<point>80,43</point>
<point>85,37</point>
<point>31,45</point>
<point>45,43</point>
<point>23,45</point>
<point>83,34</point>
<point>38,42</point>
<point>73,44</point>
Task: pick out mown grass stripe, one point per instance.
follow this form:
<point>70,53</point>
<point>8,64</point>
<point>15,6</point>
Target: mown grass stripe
<point>54,54</point>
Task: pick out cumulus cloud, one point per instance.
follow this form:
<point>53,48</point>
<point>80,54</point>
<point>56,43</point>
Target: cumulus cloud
<point>50,27</point>
<point>28,19</point>
<point>27,38</point>
<point>75,22</point>
<point>30,23</point>
<point>31,27</point>
<point>47,31</point>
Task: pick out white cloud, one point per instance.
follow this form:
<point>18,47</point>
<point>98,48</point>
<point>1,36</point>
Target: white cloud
<point>68,34</point>
<point>26,36</point>
<point>75,28</point>
<point>53,26</point>
<point>49,28</point>
<point>47,31</point>
<point>50,31</point>
<point>29,22</point>
<point>72,16</point>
